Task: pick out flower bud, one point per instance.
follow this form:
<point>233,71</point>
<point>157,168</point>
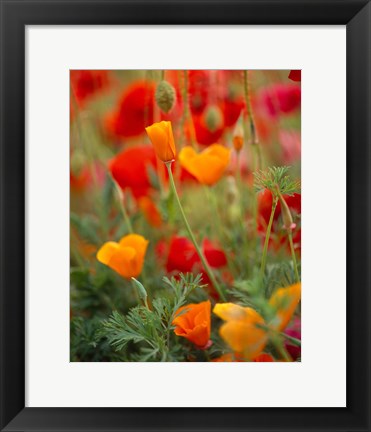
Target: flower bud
<point>238,137</point>
<point>141,290</point>
<point>162,138</point>
<point>165,96</point>
<point>77,161</point>
<point>232,193</point>
<point>233,214</point>
<point>213,118</point>
<point>288,222</point>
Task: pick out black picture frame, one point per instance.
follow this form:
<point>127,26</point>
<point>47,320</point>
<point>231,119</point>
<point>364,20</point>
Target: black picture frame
<point>15,16</point>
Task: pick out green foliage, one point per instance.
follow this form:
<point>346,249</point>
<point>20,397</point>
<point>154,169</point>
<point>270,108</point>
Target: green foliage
<point>153,177</point>
<point>85,346</point>
<point>97,293</point>
<point>255,292</point>
<point>87,226</point>
<point>279,275</point>
<point>276,177</point>
<point>151,330</point>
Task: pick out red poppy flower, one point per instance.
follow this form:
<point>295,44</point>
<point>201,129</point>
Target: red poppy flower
<point>294,202</point>
<point>198,89</point>
<point>79,181</point>
<point>294,330</point>
<point>281,99</point>
<point>214,256</point>
<point>265,200</point>
<point>81,178</point>
<point>295,75</point>
<point>130,169</point>
<point>182,255</point>
<point>278,236</point>
<point>203,135</point>
<point>85,83</point>
<point>133,112</point>
<point>182,258</point>
<point>232,107</point>
<point>264,358</point>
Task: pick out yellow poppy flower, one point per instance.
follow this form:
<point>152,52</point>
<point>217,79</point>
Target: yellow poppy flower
<point>208,166</point>
<point>125,257</point>
<point>241,330</point>
<point>162,138</point>
<point>285,301</point>
<point>245,331</point>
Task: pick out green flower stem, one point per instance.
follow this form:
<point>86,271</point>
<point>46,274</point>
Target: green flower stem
<point>122,207</point>
<point>294,341</point>
<point>185,103</point>
<point>215,215</point>
<point>76,254</point>
<point>293,256</point>
<point>239,169</point>
<point>277,342</point>
<point>217,222</point>
<point>267,236</point>
<point>192,237</point>
<point>277,335</point>
<point>254,138</point>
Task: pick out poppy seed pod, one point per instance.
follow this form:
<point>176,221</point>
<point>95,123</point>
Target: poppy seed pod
<point>165,96</point>
<point>213,118</point>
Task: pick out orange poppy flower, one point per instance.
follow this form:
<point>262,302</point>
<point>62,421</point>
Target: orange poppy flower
<point>237,139</point>
<point>236,357</point>
<point>151,213</point>
<point>229,357</point>
<point>284,301</point>
<point>240,330</point>
<point>264,358</point>
<point>162,138</point>
<point>195,323</point>
<point>244,328</point>
<point>125,257</point>
<point>208,166</point>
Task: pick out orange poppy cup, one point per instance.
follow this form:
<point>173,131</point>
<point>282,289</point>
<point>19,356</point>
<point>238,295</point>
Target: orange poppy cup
<point>193,322</point>
<point>125,257</point>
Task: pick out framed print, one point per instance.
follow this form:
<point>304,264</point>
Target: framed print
<point>185,196</point>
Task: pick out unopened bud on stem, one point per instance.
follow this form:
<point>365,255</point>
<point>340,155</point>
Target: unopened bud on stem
<point>288,222</point>
<point>213,118</point>
<point>238,137</point>
<point>165,96</point>
<point>141,291</point>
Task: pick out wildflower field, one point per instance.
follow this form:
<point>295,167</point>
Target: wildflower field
<point>185,216</point>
